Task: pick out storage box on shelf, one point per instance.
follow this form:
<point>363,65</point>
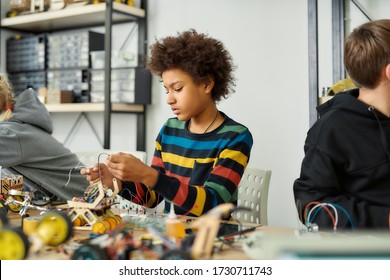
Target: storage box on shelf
<point>56,96</point>
<point>128,85</point>
<point>118,59</point>
<point>68,61</point>
<point>75,80</point>
<point>122,85</point>
<point>21,81</point>
<point>26,61</point>
<point>71,49</point>
<point>26,53</point>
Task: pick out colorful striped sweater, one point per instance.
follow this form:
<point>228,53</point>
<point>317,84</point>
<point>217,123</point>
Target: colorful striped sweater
<point>196,171</point>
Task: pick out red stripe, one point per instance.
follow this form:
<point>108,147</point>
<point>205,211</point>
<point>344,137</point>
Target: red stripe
<point>140,194</point>
<point>227,173</point>
<point>156,161</point>
<point>182,193</point>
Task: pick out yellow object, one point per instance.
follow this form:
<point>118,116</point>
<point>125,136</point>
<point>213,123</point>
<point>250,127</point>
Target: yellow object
<point>112,221</point>
<point>54,229</point>
<point>12,245</point>
<point>174,228</point>
<point>100,227</point>
<point>79,221</point>
<point>30,224</point>
<point>118,218</point>
<point>340,86</point>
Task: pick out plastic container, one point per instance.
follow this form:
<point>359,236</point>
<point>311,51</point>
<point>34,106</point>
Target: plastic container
<point>118,59</point>
<point>174,228</point>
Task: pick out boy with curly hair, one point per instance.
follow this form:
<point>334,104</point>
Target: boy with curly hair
<point>201,153</point>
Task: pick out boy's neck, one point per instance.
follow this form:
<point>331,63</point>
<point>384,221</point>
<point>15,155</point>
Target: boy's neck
<point>379,98</point>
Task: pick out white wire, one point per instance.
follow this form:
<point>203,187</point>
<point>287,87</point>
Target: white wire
<point>336,217</point>
<point>70,172</point>
<point>311,210</point>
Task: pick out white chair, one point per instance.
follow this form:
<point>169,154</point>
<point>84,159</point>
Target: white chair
<point>253,194</point>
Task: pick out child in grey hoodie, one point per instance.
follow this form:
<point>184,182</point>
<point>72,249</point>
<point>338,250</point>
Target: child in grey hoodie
<point>28,148</point>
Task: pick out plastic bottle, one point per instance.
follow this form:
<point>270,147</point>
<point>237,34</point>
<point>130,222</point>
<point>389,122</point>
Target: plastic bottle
<point>174,228</point>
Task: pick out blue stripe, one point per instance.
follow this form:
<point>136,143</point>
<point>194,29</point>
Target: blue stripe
<point>244,137</point>
<point>193,144</point>
<point>200,145</point>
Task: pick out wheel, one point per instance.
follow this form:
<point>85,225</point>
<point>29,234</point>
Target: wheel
<point>3,214</point>
<point>89,252</point>
<point>14,244</point>
<point>54,228</point>
<point>13,206</point>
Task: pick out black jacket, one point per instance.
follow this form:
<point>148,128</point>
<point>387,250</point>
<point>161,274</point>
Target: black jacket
<point>347,163</point>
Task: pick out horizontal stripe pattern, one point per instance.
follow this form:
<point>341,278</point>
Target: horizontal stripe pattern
<point>199,171</point>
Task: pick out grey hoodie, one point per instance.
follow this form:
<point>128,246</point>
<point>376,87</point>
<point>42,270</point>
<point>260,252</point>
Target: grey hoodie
<point>27,147</point>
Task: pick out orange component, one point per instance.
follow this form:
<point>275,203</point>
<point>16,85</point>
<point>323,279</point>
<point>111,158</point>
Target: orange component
<point>100,227</point>
<point>112,222</point>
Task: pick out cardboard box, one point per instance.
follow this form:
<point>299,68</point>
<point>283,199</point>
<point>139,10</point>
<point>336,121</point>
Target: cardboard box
<point>14,182</point>
<point>57,96</point>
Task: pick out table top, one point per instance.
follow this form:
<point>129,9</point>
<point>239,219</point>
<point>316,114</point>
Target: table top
<point>224,248</point>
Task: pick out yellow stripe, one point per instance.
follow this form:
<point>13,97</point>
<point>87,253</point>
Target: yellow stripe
<point>236,156</point>
<point>178,160</point>
<point>184,161</point>
<point>199,202</point>
<point>152,198</point>
<point>158,146</point>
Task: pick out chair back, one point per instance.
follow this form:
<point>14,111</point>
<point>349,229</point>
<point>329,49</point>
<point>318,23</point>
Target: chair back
<point>253,194</point>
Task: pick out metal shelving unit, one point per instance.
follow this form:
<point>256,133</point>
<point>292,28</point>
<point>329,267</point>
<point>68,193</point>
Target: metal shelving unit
<point>92,15</point>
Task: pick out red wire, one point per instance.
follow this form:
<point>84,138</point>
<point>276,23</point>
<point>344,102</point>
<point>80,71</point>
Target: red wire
<point>323,206</point>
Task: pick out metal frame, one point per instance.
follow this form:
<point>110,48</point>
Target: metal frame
<point>107,75</point>
<point>313,59</point>
<point>142,45</point>
<point>338,33</point>
<point>362,9</point>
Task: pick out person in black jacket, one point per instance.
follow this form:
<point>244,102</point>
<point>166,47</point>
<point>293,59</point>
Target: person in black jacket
<point>345,174</point>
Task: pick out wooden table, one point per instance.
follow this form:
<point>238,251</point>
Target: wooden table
<point>223,251</point>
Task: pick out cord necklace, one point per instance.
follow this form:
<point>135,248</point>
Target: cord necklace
<point>211,124</point>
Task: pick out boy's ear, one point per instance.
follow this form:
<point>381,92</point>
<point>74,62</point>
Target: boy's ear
<point>387,71</point>
<point>209,84</point>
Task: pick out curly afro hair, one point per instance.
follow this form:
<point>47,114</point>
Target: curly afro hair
<point>199,56</point>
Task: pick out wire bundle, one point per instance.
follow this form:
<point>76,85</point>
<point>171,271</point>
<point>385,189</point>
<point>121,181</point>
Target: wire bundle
<point>309,216</point>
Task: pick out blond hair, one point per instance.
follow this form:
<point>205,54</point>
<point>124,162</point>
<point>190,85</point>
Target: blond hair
<point>6,98</point>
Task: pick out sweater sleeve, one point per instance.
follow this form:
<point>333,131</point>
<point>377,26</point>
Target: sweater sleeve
<point>320,182</point>
<point>11,151</point>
